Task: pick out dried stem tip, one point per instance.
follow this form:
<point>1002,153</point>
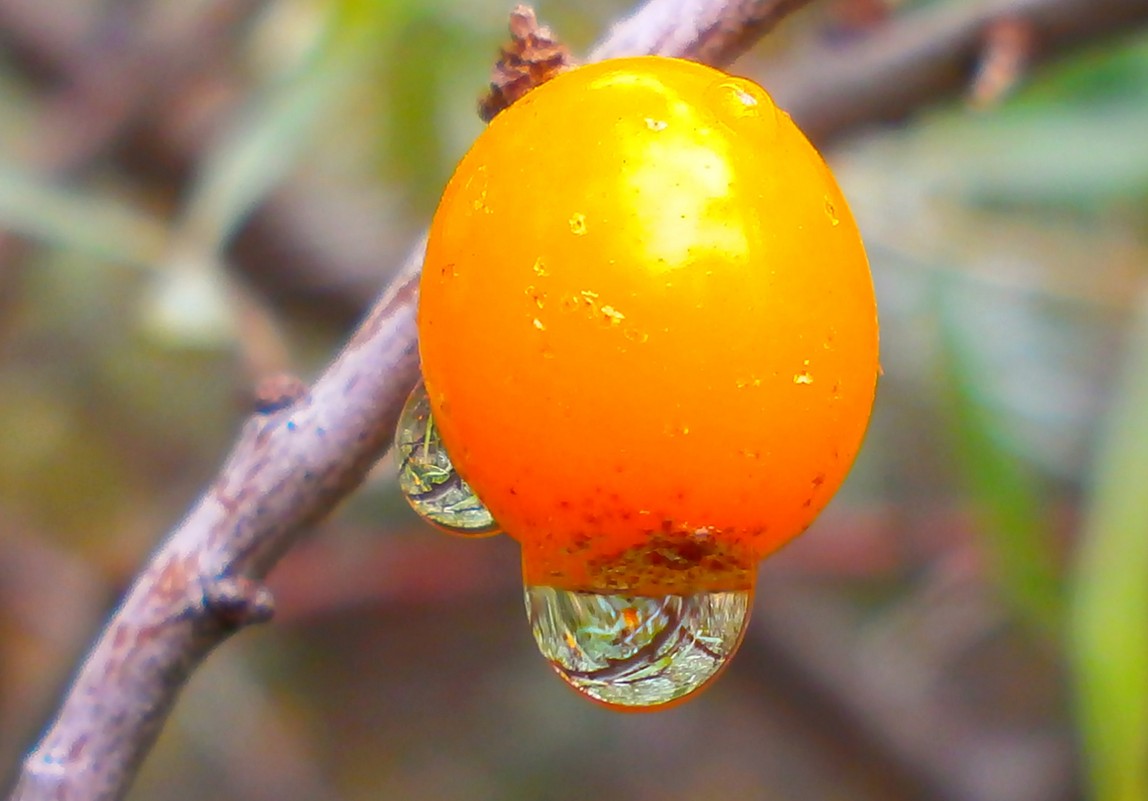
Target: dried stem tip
<point>530,59</point>
<point>1009,44</point>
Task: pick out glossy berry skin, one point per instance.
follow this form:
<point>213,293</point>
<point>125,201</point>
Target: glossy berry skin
<point>647,328</point>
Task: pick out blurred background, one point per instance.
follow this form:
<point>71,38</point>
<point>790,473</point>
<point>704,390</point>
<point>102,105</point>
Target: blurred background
<point>195,194</point>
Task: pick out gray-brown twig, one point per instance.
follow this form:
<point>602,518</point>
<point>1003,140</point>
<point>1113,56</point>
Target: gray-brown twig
<point>930,55</point>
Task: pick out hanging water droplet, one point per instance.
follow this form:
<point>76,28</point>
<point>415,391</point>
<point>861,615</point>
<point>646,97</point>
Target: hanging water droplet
<point>636,651</point>
<point>427,478</point>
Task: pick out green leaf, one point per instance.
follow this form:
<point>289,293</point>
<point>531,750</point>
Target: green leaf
<point>266,139</point>
<point>189,303</point>
<point>1006,491</point>
<point>1068,156</point>
<point>1109,614</point>
<point>98,227</point>
<point>258,150</point>
<point>429,104</point>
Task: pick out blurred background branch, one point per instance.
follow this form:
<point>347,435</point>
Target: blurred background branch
<point>912,645</point>
<point>924,57</point>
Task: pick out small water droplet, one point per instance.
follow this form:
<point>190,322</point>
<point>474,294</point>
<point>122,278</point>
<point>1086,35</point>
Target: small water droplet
<point>831,213</point>
<point>537,295</point>
<point>803,377</point>
<point>479,203</point>
<point>540,268</point>
<point>740,102</point>
<point>539,324</point>
<point>427,478</point>
<point>656,125</point>
<point>636,651</point>
<point>736,98</point>
<point>612,315</point>
<point>578,224</point>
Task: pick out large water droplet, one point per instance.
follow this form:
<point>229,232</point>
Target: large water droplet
<point>635,651</point>
<point>428,479</point>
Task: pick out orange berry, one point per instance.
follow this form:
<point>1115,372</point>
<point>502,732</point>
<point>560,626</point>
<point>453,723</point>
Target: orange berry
<point>647,328</point>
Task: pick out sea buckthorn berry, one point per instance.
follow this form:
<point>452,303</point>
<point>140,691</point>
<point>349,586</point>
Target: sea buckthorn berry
<point>649,341</point>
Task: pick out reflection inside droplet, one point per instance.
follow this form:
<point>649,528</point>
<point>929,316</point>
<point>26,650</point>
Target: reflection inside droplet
<point>636,651</point>
<point>427,478</point>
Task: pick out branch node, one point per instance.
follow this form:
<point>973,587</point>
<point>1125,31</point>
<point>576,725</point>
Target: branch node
<point>236,601</point>
<point>277,392</point>
<point>1007,51</point>
<point>531,58</point>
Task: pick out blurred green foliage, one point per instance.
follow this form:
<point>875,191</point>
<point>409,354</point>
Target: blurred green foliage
<point>1109,642</point>
<point>1010,252</point>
